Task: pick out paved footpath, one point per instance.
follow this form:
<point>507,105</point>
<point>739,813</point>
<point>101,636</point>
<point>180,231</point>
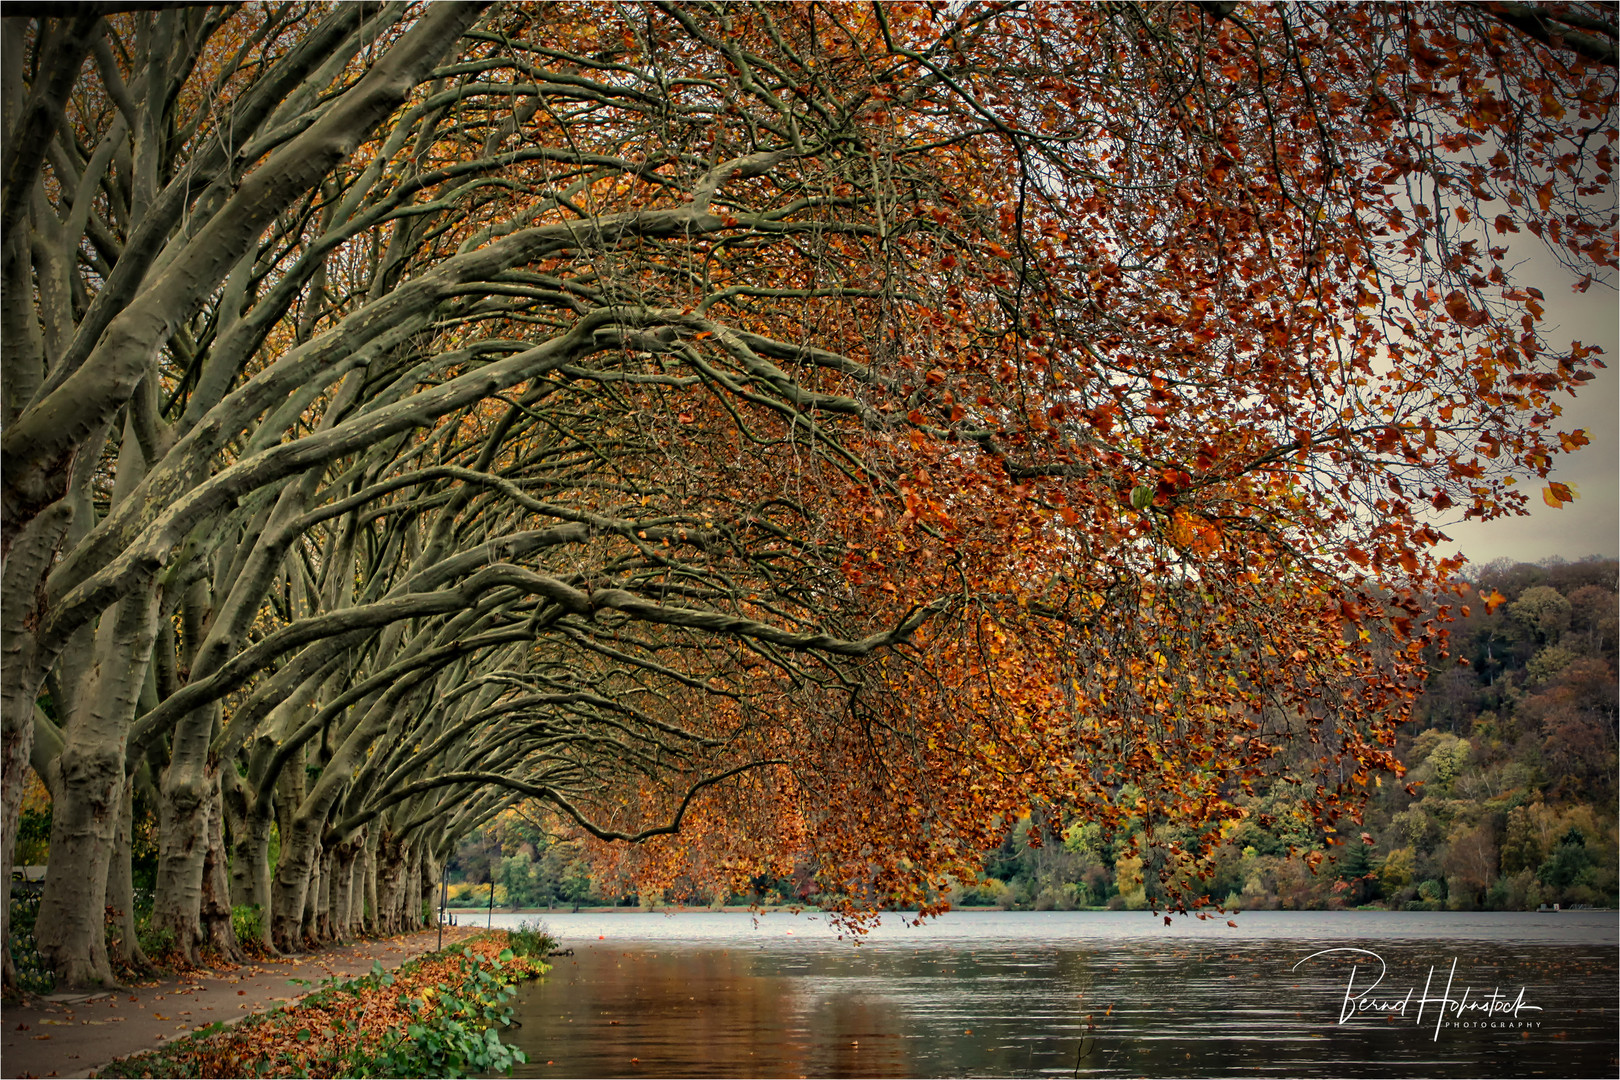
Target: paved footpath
<point>76,1034</point>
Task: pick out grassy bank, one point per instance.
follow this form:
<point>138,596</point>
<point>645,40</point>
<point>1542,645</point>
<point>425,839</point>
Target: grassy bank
<point>438,1015</point>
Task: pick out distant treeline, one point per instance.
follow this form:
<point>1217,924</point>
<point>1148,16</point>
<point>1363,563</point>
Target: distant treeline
<point>1510,757</point>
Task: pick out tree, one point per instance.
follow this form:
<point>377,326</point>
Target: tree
<point>1594,615</point>
<point>1469,862</point>
<point>1544,611</point>
<point>1563,868</point>
<point>845,426</point>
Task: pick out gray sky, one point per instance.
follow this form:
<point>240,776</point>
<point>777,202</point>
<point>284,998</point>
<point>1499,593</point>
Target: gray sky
<point>1591,525</point>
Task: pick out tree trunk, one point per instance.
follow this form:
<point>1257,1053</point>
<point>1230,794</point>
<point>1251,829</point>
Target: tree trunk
<point>193,887</point>
<point>250,870</point>
<point>125,953</point>
<point>291,877</point>
<point>428,900</point>
<point>431,872</point>
<point>26,558</point>
<point>183,812</point>
<point>312,893</point>
<point>344,858</point>
<point>16,748</point>
<point>321,920</point>
<point>218,931</point>
<point>88,798</point>
<point>390,880</point>
<point>412,899</point>
<point>289,894</point>
<point>233,799</point>
<point>368,881</point>
<point>71,931</point>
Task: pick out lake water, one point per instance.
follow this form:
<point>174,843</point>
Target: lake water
<point>1077,994</point>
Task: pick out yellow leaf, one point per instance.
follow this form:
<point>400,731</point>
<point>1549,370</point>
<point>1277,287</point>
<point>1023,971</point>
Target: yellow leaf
<point>1556,495</point>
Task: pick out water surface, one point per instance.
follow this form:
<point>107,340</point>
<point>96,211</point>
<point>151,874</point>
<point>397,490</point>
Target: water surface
<point>1077,994</point>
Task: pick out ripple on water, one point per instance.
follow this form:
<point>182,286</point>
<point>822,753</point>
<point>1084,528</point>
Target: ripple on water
<point>1087,994</point>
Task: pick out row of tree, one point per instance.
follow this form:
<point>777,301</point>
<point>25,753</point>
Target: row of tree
<point>824,431</point>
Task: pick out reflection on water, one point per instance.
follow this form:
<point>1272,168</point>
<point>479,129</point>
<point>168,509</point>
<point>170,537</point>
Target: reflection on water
<point>1072,994</point>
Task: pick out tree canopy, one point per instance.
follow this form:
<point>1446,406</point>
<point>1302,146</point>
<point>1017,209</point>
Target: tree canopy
<point>827,430</point>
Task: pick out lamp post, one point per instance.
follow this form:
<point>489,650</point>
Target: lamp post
<point>444,896</point>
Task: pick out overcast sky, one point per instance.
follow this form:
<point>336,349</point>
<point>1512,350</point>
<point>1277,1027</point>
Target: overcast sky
<point>1591,525</point>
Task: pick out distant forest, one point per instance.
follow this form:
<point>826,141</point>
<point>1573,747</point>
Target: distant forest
<point>1508,803</point>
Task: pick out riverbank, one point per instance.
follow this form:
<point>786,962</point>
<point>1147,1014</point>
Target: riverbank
<point>79,1034</point>
<point>466,917</point>
<point>440,1014</point>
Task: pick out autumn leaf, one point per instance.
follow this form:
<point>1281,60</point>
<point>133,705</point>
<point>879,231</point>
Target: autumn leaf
<point>1458,307</point>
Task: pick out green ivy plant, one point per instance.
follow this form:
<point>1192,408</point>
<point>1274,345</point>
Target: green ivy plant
<point>461,1037</point>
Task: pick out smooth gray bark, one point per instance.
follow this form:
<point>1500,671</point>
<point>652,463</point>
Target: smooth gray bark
<point>88,800</point>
